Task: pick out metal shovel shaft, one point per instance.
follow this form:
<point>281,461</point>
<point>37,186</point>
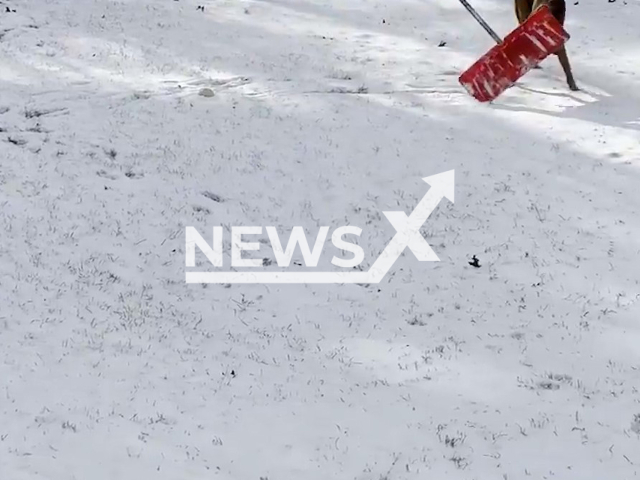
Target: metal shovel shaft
<point>481,21</point>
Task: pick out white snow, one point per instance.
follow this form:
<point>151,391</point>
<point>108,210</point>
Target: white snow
<point>324,113</point>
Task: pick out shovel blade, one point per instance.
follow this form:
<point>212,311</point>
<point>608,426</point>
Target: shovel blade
<point>525,47</point>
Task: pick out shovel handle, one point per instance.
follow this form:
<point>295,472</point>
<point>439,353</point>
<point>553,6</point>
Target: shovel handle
<point>481,21</point>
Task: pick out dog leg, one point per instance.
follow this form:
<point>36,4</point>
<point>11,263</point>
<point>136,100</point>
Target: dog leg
<point>558,10</point>
<point>564,62</point>
<point>523,10</point>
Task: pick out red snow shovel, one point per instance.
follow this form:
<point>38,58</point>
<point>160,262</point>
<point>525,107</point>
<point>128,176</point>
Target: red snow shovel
<point>534,40</point>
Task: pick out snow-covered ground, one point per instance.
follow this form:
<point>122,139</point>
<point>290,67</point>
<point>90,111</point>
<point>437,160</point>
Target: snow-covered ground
<point>324,113</point>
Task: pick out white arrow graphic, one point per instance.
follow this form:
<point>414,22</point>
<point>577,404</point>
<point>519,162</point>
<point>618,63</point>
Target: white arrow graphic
<point>408,228</point>
<point>407,235</point>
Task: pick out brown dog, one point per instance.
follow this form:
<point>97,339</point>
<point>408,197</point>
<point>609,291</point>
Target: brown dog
<point>558,10</point>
